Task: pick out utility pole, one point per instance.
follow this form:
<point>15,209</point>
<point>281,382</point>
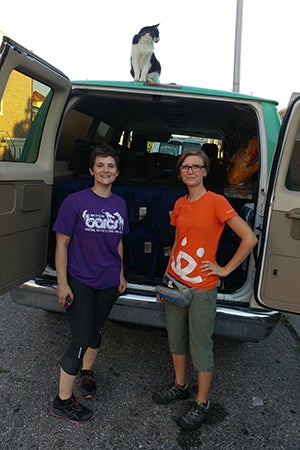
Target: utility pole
<point>238,46</point>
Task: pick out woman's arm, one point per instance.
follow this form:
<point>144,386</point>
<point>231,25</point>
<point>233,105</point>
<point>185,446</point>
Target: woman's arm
<point>61,261</point>
<point>123,282</point>
<point>248,242</point>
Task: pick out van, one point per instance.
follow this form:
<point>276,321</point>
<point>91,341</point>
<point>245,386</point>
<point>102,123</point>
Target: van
<point>60,121</point>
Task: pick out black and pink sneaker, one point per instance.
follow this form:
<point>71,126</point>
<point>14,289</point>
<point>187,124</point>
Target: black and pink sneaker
<point>71,410</point>
<point>87,384</point>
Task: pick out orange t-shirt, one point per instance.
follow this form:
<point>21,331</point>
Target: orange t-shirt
<point>199,225</point>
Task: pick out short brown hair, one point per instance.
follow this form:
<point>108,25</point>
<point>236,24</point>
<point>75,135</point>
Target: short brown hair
<point>193,152</point>
<point>104,150</point>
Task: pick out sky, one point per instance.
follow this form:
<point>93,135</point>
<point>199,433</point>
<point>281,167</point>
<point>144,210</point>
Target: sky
<point>92,40</point>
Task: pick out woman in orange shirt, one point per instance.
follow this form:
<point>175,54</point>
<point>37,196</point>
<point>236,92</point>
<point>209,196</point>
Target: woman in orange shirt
<point>199,219</point>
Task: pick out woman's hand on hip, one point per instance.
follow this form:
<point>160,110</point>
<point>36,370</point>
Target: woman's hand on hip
<point>212,268</point>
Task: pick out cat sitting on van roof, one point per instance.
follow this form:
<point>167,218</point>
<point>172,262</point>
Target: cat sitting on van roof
<point>144,65</point>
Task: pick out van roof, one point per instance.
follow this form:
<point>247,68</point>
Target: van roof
<point>171,87</point>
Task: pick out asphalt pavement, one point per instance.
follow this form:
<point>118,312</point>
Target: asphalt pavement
<point>254,396</point>
<point>294,321</point>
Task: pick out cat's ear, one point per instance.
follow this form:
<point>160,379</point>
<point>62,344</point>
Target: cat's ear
<point>155,26</point>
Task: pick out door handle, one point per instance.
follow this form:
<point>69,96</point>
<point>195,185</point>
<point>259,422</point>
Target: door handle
<point>293,215</point>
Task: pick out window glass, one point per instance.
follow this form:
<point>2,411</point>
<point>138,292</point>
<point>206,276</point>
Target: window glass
<point>24,106</point>
<point>189,145</point>
<point>293,175</point>
<point>169,149</point>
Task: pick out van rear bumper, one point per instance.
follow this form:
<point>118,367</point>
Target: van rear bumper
<point>239,323</point>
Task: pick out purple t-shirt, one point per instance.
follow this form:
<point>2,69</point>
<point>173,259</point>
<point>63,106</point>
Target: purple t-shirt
<point>95,225</point>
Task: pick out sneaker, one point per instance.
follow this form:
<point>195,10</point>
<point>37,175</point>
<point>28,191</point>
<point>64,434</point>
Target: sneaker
<point>71,410</point>
<point>192,419</point>
<point>176,392</point>
<point>87,384</point>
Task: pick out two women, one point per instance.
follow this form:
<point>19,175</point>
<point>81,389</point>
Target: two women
<point>89,230</point>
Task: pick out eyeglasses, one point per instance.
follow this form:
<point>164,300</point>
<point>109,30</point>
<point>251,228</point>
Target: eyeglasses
<point>193,167</point>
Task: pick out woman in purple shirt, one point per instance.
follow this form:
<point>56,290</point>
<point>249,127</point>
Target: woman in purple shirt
<point>89,264</point>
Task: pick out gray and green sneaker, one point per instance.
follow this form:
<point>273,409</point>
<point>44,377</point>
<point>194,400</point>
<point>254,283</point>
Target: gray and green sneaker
<point>193,418</point>
<point>176,392</point>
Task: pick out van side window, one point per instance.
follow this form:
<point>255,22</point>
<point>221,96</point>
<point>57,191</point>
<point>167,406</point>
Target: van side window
<point>293,175</point>
<point>22,99</point>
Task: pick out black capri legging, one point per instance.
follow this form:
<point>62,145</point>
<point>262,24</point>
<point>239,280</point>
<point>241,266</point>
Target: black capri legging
<point>87,315</point>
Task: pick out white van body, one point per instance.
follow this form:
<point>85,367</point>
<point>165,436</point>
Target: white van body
<point>58,136</point>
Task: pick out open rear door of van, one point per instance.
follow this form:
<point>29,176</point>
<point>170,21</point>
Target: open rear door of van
<point>33,96</point>
<point>277,283</point>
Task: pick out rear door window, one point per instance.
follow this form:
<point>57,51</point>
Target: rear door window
<point>23,98</point>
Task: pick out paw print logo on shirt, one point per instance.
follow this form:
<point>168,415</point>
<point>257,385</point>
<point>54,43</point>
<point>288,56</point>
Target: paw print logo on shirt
<point>184,263</point>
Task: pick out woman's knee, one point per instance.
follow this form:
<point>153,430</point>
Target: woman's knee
<point>96,339</point>
<point>72,359</point>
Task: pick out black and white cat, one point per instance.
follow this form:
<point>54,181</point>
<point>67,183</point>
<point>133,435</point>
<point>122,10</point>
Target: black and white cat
<point>144,65</point>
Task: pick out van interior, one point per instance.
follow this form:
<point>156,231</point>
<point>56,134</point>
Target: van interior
<point>132,122</point>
